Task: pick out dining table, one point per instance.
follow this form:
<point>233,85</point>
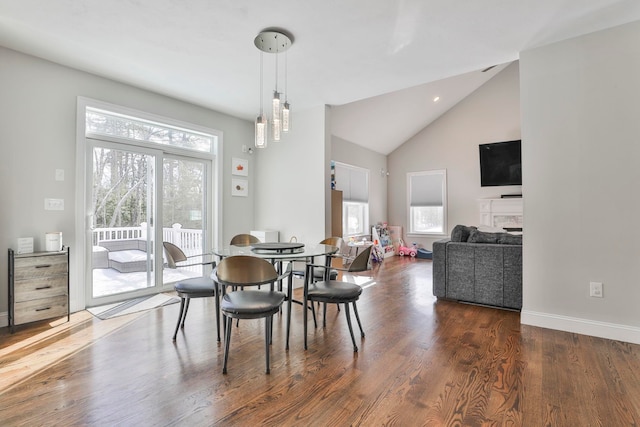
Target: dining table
<point>278,253</point>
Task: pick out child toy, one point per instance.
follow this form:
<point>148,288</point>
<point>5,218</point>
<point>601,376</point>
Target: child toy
<point>403,250</point>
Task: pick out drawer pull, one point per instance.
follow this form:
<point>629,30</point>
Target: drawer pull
<point>43,287</point>
<point>43,266</point>
<point>43,309</point>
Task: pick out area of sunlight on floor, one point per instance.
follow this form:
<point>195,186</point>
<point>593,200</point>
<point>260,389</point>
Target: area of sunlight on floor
<point>47,347</point>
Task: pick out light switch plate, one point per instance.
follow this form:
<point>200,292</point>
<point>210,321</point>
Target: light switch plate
<point>59,174</point>
<point>53,204</point>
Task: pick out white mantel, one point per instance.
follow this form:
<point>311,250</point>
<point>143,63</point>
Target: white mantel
<point>504,213</point>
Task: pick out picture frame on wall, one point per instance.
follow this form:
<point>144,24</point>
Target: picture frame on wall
<point>239,166</point>
<point>240,187</point>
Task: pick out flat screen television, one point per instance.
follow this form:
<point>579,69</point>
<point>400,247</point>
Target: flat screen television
<point>501,163</point>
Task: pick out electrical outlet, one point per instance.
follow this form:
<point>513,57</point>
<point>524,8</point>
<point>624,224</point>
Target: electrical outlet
<point>595,289</point>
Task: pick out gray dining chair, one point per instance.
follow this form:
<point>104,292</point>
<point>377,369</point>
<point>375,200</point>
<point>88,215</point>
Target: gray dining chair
<point>339,292</point>
<point>242,272</point>
<point>194,287</point>
<point>244,240</point>
<point>319,273</point>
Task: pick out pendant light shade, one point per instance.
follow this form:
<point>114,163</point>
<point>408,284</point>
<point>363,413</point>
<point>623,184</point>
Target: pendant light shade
<point>261,132</point>
<point>285,117</point>
<point>275,121</point>
<point>273,42</point>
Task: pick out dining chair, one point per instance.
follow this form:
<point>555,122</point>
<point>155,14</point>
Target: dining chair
<point>241,272</point>
<point>244,240</point>
<point>194,287</point>
<point>330,291</point>
<point>319,273</point>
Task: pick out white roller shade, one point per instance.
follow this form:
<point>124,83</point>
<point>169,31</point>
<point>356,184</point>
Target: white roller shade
<point>426,189</point>
<point>353,182</point>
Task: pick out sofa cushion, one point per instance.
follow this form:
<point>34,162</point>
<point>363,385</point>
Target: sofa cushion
<point>483,237</point>
<point>126,256</point>
<point>460,233</point>
<point>510,239</point>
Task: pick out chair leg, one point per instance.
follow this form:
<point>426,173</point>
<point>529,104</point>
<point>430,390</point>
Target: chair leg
<point>227,342</point>
<point>267,339</point>
<point>270,330</point>
<point>313,312</point>
<point>324,314</point>
<point>353,339</point>
<point>182,304</point>
<point>216,295</point>
<point>355,310</point>
<point>289,298</point>
<point>186,310</point>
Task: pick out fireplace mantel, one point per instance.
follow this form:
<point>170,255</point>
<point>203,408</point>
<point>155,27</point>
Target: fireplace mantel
<point>504,213</point>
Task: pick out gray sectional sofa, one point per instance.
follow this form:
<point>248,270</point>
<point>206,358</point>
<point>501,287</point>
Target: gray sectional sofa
<point>479,267</point>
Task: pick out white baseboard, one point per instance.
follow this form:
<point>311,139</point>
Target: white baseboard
<point>4,319</point>
<point>576,325</point>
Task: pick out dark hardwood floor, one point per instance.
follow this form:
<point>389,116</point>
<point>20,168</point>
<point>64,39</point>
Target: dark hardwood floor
<point>423,362</point>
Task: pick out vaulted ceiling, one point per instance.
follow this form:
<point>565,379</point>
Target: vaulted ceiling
<point>359,56</point>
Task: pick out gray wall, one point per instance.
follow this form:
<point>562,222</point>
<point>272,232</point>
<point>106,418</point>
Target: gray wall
<point>490,114</point>
<point>581,174</point>
<point>293,179</point>
<point>38,135</point>
<point>347,152</point>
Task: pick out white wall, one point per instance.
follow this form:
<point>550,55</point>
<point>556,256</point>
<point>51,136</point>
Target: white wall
<point>490,114</point>
<point>38,135</point>
<point>581,163</point>
<point>352,154</point>
<point>292,180</point>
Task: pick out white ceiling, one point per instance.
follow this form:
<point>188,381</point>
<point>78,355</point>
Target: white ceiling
<point>344,51</point>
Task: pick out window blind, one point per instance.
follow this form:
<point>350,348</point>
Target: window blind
<point>426,190</point>
<point>353,182</point>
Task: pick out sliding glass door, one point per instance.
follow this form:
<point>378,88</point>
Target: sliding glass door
<point>184,212</point>
<point>123,200</point>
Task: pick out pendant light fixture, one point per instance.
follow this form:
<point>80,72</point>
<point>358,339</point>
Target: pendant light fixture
<point>276,42</point>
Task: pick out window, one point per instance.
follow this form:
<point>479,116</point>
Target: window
<point>108,123</point>
<point>427,195</point>
<point>354,184</point>
<point>354,218</point>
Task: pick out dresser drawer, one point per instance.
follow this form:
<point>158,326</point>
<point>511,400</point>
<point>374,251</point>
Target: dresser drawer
<point>41,287</point>
<point>29,268</point>
<point>31,311</point>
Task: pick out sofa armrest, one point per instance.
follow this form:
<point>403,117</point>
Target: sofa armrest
<point>440,268</point>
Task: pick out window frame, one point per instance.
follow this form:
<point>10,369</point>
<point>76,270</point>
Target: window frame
<point>83,141</point>
<point>441,174</point>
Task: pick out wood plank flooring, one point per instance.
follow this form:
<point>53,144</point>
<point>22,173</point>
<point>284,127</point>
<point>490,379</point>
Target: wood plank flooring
<point>422,362</point>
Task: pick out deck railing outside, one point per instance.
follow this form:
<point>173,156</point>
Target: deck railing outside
<point>189,240</point>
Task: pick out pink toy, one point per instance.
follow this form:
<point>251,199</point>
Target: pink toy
<point>403,250</point>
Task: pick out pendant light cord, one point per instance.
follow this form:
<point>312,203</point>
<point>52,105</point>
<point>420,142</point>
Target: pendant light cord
<point>261,79</point>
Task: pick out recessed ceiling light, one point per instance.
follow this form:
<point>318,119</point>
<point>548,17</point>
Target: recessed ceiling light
<point>436,99</point>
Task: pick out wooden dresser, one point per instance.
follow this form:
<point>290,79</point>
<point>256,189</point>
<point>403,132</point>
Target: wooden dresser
<point>38,286</point>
